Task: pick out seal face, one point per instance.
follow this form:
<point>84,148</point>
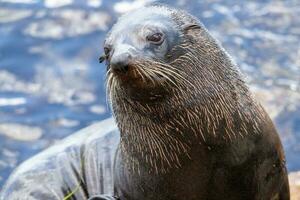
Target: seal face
<point>187,120</point>
<point>164,68</point>
<point>137,43</point>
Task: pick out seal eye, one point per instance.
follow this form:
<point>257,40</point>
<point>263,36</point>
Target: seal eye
<point>156,38</point>
<point>106,51</point>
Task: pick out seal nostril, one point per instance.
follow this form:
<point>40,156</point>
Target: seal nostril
<point>120,63</point>
<point>120,68</point>
<point>126,68</point>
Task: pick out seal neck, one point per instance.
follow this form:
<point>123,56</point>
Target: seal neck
<point>159,138</point>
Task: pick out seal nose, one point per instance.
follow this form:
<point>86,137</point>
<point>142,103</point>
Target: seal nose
<point>120,63</point>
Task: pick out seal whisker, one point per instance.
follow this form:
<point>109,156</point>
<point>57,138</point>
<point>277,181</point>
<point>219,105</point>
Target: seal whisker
<point>174,71</point>
<point>154,72</point>
<point>141,74</point>
<point>171,73</point>
<point>167,74</point>
<point>149,75</point>
<point>161,73</point>
<point>108,87</point>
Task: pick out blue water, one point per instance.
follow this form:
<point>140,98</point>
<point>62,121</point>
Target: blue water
<point>51,83</point>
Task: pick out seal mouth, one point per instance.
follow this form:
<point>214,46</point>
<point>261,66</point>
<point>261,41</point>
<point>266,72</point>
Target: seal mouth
<point>145,79</point>
<point>138,74</point>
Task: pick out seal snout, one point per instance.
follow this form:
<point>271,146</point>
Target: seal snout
<point>120,63</point>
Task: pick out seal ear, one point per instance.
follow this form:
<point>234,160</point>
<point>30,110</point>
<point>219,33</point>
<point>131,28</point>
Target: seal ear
<point>191,27</point>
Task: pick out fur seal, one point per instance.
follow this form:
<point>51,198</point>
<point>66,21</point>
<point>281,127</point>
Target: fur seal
<point>189,126</point>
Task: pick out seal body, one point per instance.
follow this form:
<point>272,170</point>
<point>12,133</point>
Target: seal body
<point>186,126</point>
<point>78,167</point>
<point>189,127</point>
<point>219,171</point>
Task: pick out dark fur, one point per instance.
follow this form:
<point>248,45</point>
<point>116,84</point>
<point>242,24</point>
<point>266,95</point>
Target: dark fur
<point>196,136</point>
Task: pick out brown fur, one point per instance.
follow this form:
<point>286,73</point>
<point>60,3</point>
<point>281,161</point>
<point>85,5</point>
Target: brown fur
<point>203,73</point>
<point>169,112</point>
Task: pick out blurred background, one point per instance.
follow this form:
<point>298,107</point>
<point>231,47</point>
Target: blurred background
<point>51,83</point>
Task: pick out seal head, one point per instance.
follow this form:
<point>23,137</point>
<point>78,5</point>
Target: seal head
<point>139,51</point>
<point>163,68</point>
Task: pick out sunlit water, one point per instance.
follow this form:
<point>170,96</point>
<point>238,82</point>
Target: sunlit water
<point>51,83</point>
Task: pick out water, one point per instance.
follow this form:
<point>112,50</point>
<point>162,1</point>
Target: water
<point>51,83</point>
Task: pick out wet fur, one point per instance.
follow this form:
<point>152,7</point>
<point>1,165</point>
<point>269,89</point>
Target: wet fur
<point>194,125</point>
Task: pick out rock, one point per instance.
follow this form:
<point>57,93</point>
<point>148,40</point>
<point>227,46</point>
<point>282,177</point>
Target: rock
<point>294,179</point>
